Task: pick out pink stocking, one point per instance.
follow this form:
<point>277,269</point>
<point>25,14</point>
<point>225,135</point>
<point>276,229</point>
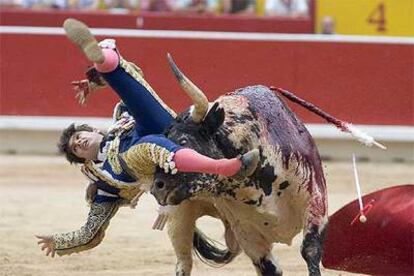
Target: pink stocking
<point>188,160</point>
<point>110,63</point>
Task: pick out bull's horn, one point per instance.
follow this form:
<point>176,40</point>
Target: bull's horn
<point>197,96</point>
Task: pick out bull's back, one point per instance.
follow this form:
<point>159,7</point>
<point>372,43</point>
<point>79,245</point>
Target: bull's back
<point>257,117</point>
<point>275,120</point>
<point>284,128</point>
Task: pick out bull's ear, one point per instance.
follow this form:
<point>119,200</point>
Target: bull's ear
<point>214,119</point>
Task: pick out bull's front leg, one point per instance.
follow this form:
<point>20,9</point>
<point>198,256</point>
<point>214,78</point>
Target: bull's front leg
<point>267,266</point>
<point>251,240</point>
<point>181,227</point>
<point>260,252</point>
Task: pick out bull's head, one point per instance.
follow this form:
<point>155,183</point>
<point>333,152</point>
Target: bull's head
<point>196,129</point>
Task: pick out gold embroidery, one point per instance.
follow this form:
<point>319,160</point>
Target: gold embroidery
<point>142,159</point>
<point>130,193</point>
<point>113,147</point>
<point>127,190</point>
<point>112,155</point>
<point>89,235</point>
<point>117,114</point>
<point>136,68</point>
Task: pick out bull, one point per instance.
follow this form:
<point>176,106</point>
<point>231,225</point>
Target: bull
<point>285,195</point>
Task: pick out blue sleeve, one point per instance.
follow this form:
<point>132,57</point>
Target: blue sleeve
<point>102,198</point>
<point>160,140</point>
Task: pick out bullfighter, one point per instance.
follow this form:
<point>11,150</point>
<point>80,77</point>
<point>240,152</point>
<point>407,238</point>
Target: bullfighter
<point>120,164</point>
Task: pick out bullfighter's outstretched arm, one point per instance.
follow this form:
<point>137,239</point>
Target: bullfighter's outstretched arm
<point>89,235</point>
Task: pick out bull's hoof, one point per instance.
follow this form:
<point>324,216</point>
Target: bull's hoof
<point>79,34</point>
<point>249,163</point>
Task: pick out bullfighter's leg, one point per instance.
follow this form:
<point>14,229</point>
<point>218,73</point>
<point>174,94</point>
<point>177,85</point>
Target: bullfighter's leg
<point>314,232</point>
<point>188,160</point>
<point>150,112</point>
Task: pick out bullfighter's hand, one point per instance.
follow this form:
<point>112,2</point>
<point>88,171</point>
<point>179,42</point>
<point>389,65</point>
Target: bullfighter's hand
<point>46,242</point>
<point>83,90</point>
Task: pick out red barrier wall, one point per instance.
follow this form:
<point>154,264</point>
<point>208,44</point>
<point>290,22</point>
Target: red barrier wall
<point>157,21</point>
<point>357,82</point>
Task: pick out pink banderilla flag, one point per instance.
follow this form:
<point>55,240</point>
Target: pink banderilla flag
<point>384,244</point>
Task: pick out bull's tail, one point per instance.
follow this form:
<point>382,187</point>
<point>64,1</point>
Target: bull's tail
<point>342,125</point>
<point>208,252</point>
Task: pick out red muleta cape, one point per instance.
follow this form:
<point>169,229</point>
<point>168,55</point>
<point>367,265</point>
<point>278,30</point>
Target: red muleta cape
<point>383,245</point>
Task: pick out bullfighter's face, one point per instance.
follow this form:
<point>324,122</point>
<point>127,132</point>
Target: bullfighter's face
<point>86,144</point>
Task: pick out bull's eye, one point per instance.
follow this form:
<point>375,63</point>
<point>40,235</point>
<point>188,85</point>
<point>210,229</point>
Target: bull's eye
<point>183,141</point>
<point>159,184</point>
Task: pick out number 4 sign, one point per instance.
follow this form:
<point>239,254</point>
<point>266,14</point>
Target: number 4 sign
<point>377,17</point>
<point>367,17</point>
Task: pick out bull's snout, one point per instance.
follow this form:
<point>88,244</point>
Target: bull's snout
<point>167,193</point>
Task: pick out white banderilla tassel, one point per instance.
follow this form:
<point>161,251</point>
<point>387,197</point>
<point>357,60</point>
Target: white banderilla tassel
<point>362,136</point>
<point>163,214</point>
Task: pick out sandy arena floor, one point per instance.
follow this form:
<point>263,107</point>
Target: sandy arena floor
<point>43,195</point>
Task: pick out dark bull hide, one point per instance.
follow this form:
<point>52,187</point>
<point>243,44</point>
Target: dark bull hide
<point>285,195</point>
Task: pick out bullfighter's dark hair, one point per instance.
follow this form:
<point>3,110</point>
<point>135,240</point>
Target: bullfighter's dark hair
<point>63,144</point>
